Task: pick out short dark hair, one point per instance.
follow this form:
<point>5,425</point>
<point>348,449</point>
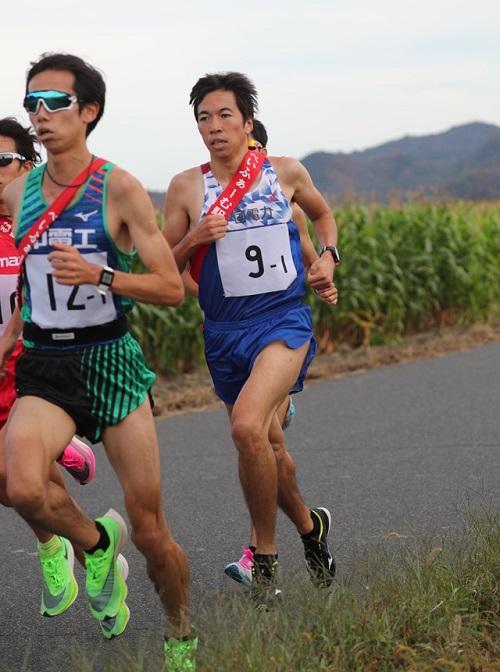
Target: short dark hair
<point>244,91</point>
<point>89,83</point>
<point>259,132</point>
<point>23,137</point>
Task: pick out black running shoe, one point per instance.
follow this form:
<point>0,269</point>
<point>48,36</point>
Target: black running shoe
<point>264,577</point>
<point>319,560</point>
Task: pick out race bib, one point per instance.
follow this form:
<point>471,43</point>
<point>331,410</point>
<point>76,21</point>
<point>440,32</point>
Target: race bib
<point>256,260</point>
<point>55,306</point>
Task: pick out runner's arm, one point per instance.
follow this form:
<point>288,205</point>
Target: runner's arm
<point>182,237</point>
<point>162,283</point>
<point>190,285</point>
<point>309,254</point>
<point>317,209</point>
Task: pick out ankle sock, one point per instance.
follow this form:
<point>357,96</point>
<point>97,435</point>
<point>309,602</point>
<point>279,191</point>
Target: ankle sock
<point>103,542</point>
<point>51,546</point>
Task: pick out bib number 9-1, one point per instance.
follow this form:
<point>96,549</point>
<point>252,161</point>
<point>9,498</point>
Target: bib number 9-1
<point>256,260</point>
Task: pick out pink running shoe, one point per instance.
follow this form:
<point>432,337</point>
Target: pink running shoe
<point>241,571</point>
<point>78,460</point>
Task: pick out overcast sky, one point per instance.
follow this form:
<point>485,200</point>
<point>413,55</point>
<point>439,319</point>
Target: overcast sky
<point>332,75</point>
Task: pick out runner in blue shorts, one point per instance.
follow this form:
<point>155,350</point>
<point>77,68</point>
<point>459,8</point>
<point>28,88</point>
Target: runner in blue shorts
<point>241,570</point>
<point>258,331</point>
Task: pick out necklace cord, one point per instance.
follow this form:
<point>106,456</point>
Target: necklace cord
<point>61,184</point>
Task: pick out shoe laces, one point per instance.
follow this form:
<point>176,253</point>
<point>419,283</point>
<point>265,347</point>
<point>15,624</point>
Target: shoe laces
<point>53,573</point>
<point>96,566</point>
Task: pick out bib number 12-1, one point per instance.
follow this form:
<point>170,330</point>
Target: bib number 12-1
<point>256,260</point>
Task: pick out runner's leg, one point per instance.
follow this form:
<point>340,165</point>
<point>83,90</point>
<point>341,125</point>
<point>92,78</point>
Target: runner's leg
<point>36,433</point>
<point>41,534</point>
<point>133,442</point>
<point>274,372</point>
<point>289,498</point>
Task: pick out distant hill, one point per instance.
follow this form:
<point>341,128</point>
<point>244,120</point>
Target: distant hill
<point>463,162</point>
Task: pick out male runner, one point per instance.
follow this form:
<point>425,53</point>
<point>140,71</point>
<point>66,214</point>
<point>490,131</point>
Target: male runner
<point>17,156</point>
<point>241,570</point>
<point>258,333</point>
<point>81,369</point>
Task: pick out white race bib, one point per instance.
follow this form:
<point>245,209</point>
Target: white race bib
<point>55,306</point>
<point>256,260</point>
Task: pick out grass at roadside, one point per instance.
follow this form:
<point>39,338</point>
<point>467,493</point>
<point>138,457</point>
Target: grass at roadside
<point>420,607</point>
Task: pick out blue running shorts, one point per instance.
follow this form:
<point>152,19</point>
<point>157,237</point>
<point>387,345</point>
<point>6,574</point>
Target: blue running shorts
<point>231,348</point>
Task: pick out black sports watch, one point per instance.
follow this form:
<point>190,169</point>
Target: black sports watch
<point>333,251</point>
<point>106,280</point>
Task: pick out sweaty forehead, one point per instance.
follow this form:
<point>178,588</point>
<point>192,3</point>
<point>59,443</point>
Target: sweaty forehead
<point>59,80</point>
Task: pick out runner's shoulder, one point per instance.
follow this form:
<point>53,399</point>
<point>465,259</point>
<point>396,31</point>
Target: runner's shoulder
<point>185,178</point>
<point>287,168</point>
<point>185,183</point>
<point>121,183</point>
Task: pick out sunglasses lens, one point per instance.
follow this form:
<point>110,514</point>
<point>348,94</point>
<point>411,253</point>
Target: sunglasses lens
<point>53,101</point>
<point>31,104</point>
<point>59,102</point>
<point>5,161</point>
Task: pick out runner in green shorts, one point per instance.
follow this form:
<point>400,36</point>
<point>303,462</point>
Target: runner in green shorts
<point>82,371</point>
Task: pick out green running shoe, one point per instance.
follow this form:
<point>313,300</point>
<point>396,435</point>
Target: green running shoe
<point>112,626</point>
<point>59,584</point>
<point>105,587</point>
<point>180,655</point>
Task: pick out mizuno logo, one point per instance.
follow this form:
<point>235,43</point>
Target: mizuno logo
<point>86,216</point>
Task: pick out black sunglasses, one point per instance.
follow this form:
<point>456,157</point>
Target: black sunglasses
<point>6,158</point>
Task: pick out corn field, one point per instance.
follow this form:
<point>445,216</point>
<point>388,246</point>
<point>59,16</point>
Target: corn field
<point>404,270</point>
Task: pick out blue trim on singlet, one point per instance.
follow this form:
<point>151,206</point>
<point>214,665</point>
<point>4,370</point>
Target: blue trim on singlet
<point>267,205</point>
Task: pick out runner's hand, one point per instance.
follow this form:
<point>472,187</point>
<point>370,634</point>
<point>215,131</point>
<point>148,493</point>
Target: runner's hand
<point>330,295</point>
<point>70,268</point>
<point>210,229</point>
<point>321,272</point>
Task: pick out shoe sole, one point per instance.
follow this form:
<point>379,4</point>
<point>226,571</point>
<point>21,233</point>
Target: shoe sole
<point>114,515</point>
<point>328,515</point>
<point>89,453</point>
<point>332,561</point>
<point>74,595</point>
<point>124,569</point>
<point>234,574</point>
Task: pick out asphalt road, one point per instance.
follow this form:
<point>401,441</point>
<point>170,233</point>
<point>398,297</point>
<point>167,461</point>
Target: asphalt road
<point>406,448</point>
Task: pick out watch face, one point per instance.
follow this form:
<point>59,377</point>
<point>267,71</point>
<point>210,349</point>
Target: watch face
<point>107,278</point>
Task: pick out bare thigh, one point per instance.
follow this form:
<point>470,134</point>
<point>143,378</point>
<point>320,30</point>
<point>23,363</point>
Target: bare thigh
<point>36,433</point>
<point>274,373</point>
<point>132,449</point>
